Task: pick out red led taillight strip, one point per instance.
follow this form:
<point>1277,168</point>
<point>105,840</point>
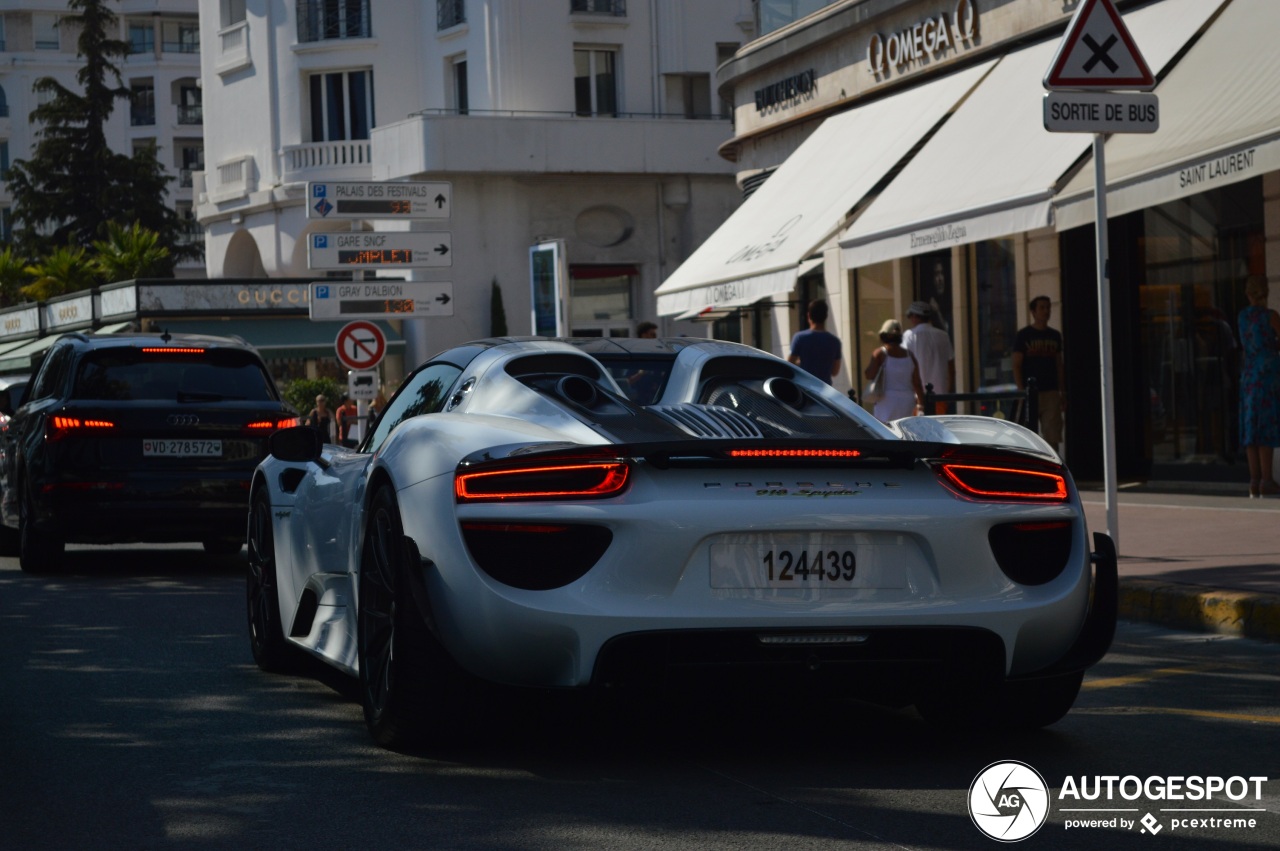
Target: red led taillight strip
<point>174,350</point>
<point>1002,483</point>
<point>551,481</point>
<point>795,453</point>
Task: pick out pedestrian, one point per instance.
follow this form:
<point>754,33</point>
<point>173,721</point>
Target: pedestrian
<point>903,392</point>
<point>933,351</point>
<point>817,350</point>
<point>346,416</point>
<point>1259,386</point>
<point>646,331</point>
<point>377,406</point>
<point>321,419</point>
<point>1037,353</point>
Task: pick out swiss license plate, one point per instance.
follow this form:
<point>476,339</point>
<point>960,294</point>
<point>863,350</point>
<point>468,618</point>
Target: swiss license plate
<point>821,561</point>
<point>182,448</point>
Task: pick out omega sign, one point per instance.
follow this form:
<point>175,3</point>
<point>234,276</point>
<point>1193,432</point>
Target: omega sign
<point>929,38</point>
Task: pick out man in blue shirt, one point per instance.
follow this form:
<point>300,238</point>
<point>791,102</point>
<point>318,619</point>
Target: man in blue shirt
<point>817,351</point>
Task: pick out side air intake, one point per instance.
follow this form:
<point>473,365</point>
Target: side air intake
<point>707,420</point>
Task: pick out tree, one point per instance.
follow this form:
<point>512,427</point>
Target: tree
<point>64,270</point>
<point>13,277</point>
<point>74,184</point>
<point>132,252</point>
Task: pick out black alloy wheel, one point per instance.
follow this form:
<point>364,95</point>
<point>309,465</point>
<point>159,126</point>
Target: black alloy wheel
<point>38,551</point>
<point>271,650</point>
<point>406,678</point>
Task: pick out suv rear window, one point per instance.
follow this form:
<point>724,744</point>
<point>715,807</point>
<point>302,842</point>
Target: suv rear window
<point>126,374</point>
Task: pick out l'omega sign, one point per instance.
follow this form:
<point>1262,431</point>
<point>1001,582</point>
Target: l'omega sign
<point>923,40</point>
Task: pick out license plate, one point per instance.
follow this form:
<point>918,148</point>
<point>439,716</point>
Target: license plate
<point>182,448</point>
<point>819,561</point>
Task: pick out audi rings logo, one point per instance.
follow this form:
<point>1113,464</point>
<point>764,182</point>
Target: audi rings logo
<point>1008,801</point>
<point>182,420</point>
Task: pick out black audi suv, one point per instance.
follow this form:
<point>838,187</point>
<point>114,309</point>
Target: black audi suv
<point>136,438</point>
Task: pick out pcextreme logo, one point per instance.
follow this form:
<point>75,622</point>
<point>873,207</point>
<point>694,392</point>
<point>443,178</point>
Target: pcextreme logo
<point>1009,801</point>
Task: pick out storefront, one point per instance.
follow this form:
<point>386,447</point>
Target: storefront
<point>916,166</point>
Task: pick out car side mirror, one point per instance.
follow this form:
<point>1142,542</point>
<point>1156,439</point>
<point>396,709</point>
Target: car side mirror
<point>298,444</point>
<point>6,404</point>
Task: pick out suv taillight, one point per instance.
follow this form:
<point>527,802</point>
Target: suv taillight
<point>265,427</point>
<point>60,426</point>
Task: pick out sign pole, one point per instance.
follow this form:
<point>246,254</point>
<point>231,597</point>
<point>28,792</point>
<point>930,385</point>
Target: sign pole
<point>1104,337</point>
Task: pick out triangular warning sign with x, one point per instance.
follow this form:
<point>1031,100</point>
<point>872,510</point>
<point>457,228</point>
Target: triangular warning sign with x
<point>1098,53</point>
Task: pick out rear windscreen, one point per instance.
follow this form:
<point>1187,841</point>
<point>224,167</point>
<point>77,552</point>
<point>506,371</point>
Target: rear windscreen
<point>131,374</point>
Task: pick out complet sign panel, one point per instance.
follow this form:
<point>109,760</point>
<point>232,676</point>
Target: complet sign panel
<point>1101,112</point>
<point>374,250</point>
<point>364,200</point>
<point>381,299</point>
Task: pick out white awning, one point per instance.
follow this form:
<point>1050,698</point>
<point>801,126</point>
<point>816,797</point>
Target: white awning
<point>756,252</point>
<point>1219,122</point>
<point>991,170</point>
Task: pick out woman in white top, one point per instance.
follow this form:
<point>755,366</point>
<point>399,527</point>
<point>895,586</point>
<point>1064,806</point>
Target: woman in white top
<point>903,392</point>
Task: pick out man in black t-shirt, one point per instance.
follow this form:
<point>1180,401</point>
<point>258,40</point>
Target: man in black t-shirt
<point>1037,353</point>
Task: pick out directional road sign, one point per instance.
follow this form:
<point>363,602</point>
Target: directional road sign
<point>1101,112</point>
<point>378,250</point>
<point>360,345</point>
<point>1098,53</point>
<point>380,299</point>
<point>399,200</point>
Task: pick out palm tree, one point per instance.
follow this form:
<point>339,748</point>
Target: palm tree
<point>13,277</point>
<point>64,270</point>
<point>131,252</point>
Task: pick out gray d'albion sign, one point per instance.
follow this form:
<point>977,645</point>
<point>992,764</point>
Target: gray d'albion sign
<point>791,88</point>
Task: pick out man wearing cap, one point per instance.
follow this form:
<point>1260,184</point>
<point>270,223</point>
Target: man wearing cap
<point>932,349</point>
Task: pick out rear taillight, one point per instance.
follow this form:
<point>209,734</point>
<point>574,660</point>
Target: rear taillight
<point>553,480</point>
<point>172,350</point>
<point>265,427</point>
<point>60,426</point>
<point>1002,483</point>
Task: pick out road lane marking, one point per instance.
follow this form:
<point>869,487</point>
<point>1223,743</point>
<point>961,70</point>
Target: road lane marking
<point>1134,679</point>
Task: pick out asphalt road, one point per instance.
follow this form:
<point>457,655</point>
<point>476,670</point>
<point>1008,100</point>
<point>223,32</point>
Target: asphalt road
<point>132,716</point>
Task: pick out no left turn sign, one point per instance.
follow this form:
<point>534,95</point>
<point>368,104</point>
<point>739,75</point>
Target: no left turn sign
<point>361,345</point>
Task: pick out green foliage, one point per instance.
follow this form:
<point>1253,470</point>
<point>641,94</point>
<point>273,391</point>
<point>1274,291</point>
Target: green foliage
<point>497,313</point>
<point>13,277</point>
<point>64,270</point>
<point>302,393</point>
<point>74,184</point>
<point>132,252</point>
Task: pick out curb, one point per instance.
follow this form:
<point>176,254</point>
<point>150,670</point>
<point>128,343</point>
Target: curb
<point>1194,607</point>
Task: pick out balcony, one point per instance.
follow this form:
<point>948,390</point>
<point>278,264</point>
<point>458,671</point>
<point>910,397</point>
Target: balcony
<point>549,143</point>
<point>190,114</point>
<point>143,117</point>
<point>233,48</point>
<point>232,179</point>
<point>345,160</point>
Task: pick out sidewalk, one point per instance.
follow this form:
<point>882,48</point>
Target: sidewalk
<point>1193,561</point>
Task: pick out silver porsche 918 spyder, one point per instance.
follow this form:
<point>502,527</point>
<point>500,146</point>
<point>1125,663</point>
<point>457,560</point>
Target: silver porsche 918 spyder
<point>631,513</point>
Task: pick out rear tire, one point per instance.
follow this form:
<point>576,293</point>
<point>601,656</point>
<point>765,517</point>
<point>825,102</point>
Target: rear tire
<point>38,551</point>
<point>408,683</point>
<point>271,650</point>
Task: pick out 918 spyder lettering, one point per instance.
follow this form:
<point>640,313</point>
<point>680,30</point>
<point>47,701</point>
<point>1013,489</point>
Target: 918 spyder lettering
<point>786,566</point>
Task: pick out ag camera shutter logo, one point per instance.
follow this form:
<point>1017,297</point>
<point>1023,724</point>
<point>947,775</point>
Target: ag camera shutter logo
<point>1009,801</point>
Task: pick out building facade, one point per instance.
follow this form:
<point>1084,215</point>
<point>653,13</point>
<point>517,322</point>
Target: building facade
<point>162,72</point>
<point>894,151</point>
<point>592,124</point>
